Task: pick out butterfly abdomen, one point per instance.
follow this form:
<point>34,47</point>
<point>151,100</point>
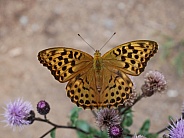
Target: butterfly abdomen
<point>98,66</point>
<point>97,61</point>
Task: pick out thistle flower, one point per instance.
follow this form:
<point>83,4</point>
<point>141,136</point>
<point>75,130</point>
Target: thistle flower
<point>154,82</point>
<point>43,107</point>
<point>107,117</point>
<point>18,113</point>
<point>132,98</point>
<point>177,129</point>
<point>115,131</point>
<point>31,117</point>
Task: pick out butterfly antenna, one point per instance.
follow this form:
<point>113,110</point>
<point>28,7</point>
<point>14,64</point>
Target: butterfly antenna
<point>86,42</point>
<point>108,40</point>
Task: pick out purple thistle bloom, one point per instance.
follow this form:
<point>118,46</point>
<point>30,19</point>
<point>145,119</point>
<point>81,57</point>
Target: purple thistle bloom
<point>43,107</point>
<point>108,117</point>
<point>154,82</point>
<point>18,113</point>
<point>132,98</point>
<point>115,131</point>
<point>177,129</point>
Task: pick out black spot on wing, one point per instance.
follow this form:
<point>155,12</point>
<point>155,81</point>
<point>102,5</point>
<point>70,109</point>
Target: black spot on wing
<point>70,70</point>
<point>64,68</point>
<point>123,58</point>
<point>114,86</point>
<point>136,56</point>
<point>75,54</point>
<point>70,55</point>
<point>129,55</point>
<point>80,56</point>
<point>126,65</point>
<point>110,79</point>
<point>59,63</point>
<point>66,60</point>
<point>64,53</point>
<point>124,50</point>
<point>73,63</point>
<point>60,58</point>
<point>119,51</point>
<point>115,53</point>
<point>130,46</point>
<point>135,51</point>
<point>132,61</point>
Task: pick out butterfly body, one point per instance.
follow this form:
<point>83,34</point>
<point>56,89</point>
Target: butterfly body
<point>97,61</point>
<point>99,81</point>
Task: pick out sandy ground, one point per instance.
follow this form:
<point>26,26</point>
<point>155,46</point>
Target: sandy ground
<point>28,26</point>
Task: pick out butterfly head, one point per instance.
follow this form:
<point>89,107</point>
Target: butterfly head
<point>97,53</point>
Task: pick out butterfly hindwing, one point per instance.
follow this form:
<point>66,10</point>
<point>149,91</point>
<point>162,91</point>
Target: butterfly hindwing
<point>82,90</point>
<point>116,87</point>
<point>131,57</point>
<point>64,63</point>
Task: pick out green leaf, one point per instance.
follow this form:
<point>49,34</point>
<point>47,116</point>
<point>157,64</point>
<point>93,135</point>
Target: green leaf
<point>167,46</point>
<point>102,134</point>
<point>145,128</point>
<point>127,136</point>
<point>83,125</point>
<point>123,109</point>
<point>127,119</point>
<point>99,133</point>
<point>178,63</point>
<point>151,135</point>
<point>126,131</point>
<point>74,114</point>
<point>83,135</point>
<point>53,133</point>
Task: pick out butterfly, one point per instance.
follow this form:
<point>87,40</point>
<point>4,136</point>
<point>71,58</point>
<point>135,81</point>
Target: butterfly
<point>99,81</point>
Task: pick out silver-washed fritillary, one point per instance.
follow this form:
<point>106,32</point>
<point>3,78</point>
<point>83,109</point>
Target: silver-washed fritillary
<point>99,81</point>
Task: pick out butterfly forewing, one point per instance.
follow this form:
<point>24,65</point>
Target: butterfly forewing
<point>64,63</point>
<point>131,57</point>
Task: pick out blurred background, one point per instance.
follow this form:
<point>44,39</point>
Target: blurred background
<point>28,26</point>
